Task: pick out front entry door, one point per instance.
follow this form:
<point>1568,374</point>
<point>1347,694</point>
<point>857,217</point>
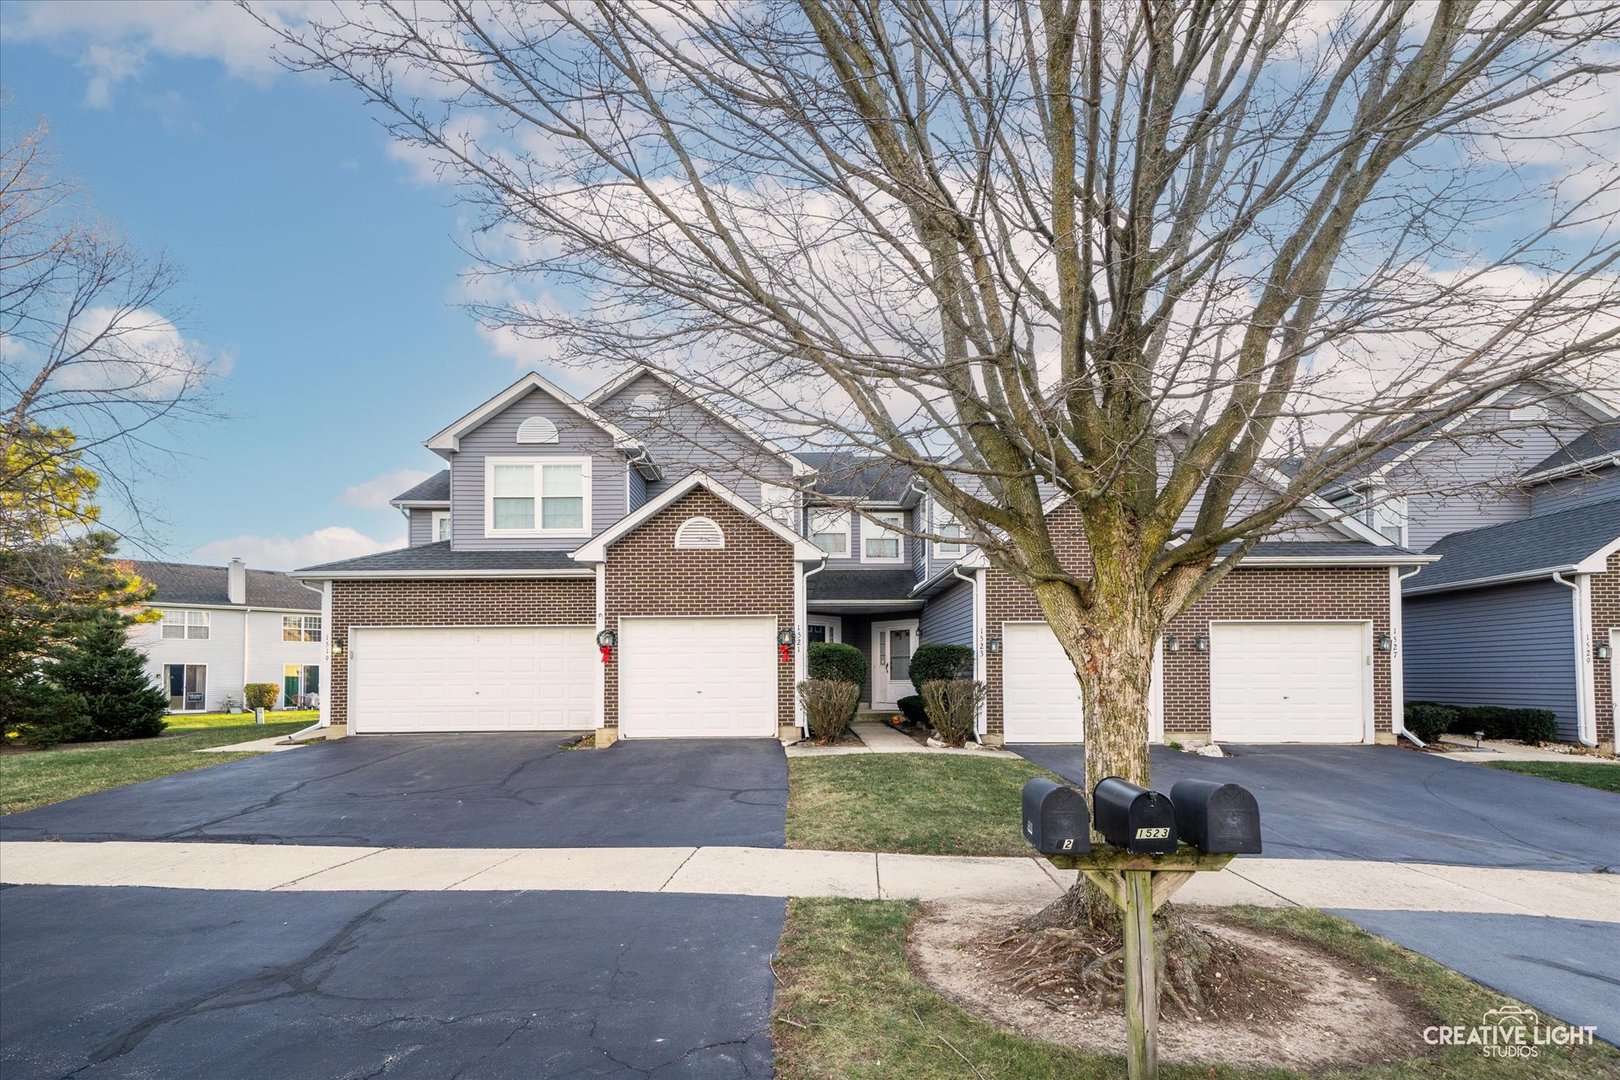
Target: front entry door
<point>892,646</point>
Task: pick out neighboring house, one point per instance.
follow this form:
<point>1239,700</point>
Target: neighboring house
<point>693,548</point>
<point>223,627</point>
<point>1521,499</point>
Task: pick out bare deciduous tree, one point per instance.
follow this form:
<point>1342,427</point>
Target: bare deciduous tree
<point>91,367</point>
<point>1124,252</point>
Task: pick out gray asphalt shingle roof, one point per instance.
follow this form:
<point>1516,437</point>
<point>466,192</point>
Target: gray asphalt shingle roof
<point>439,557</point>
<point>1601,440</point>
<point>435,488</point>
<point>859,476</point>
<point>1546,542</point>
<point>187,583</point>
<point>861,585</point>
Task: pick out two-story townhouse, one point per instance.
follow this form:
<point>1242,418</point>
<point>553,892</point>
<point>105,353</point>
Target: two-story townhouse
<point>1520,497</point>
<point>642,564</point>
<point>222,627</point>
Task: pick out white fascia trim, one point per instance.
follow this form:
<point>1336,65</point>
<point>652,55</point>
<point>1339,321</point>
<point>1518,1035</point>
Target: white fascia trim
<point>1444,429</point>
<point>450,438</point>
<point>421,504</point>
<point>1598,561</point>
<point>1494,579</point>
<point>596,549</point>
<point>244,608</point>
<point>360,575</point>
<point>1337,560</point>
<point>1591,464</point>
<point>1323,510</point>
<point>675,382</point>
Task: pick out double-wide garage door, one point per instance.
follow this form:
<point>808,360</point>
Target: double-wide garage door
<point>488,678</point>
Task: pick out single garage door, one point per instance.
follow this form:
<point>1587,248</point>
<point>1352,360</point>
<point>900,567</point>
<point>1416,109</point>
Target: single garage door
<point>490,678</point>
<point>1040,697</point>
<point>1274,682</point>
<point>697,677</point>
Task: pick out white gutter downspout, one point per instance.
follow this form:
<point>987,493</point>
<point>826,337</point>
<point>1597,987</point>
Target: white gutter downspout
<point>1585,705</point>
<point>1397,664</point>
<point>976,583</point>
<point>803,665</point>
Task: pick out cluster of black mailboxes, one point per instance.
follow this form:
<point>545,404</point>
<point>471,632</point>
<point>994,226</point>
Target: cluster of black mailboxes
<point>1218,819</point>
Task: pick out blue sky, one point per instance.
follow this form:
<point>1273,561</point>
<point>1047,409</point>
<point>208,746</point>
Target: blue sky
<point>323,268</point>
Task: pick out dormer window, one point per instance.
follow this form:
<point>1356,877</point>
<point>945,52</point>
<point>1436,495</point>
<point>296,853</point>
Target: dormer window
<point>880,538</point>
<point>699,534</point>
<point>441,525</point>
<point>947,526</point>
<point>829,530</point>
<point>537,429</point>
<point>537,496</point>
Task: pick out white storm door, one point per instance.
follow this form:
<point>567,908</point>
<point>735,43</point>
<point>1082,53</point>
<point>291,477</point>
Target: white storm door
<point>892,646</point>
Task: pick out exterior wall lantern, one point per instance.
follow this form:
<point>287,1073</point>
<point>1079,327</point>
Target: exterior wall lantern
<point>338,648</point>
<point>607,640</point>
<point>992,644</point>
<point>1384,642</point>
<point>1201,643</point>
<point>784,644</point>
<point>1603,651</point>
<point>1172,643</point>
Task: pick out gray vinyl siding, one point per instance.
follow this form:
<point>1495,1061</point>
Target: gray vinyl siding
<point>419,529</point>
<point>638,490</point>
<point>1573,491</point>
<point>948,618</point>
<point>1468,480</point>
<point>1511,645</point>
<point>684,438</point>
<point>576,437</point>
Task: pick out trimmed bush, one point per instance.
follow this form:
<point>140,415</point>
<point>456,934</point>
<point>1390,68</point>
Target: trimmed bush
<point>829,705</point>
<point>1536,726</point>
<point>839,662</point>
<point>953,708</point>
<point>1429,721</point>
<point>261,695</point>
<point>1530,726</point>
<point>932,662</point>
<point>913,709</point>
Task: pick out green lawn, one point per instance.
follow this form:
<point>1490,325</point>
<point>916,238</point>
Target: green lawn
<point>916,803</point>
<point>848,1007</point>
<point>194,721</point>
<point>34,779</point>
<point>1592,774</point>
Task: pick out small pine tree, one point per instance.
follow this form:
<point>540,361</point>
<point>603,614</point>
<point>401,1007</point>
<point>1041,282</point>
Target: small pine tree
<point>99,666</point>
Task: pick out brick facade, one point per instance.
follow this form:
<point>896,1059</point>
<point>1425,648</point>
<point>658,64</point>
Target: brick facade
<point>754,574</point>
<point>1605,617</point>
<point>1311,593</point>
<point>461,602</point>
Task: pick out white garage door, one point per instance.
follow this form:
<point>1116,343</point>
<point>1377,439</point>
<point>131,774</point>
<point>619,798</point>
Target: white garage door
<point>1274,682</point>
<point>1040,697</point>
<point>706,677</point>
<point>492,678</point>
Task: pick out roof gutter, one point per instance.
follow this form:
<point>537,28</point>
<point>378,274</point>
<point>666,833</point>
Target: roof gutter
<point>1496,579</point>
<point>404,575</point>
<point>1398,717</point>
<point>1585,701</point>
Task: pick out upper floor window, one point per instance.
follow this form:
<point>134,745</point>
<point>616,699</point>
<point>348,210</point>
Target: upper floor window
<point>1389,518</point>
<point>441,525</point>
<point>880,538</point>
<point>300,628</point>
<point>829,530</point>
<point>537,496</point>
<point>192,625</point>
<point>779,504</point>
<point>947,526</point>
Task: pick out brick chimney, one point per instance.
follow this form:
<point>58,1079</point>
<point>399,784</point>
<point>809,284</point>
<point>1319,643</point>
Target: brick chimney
<point>236,582</point>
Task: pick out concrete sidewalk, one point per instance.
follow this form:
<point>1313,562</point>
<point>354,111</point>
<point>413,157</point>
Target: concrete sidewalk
<point>747,871</point>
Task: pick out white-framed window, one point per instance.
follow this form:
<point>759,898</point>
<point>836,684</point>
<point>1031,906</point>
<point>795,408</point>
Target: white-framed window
<point>537,496</point>
<point>829,530</point>
<point>441,525</point>
<point>1389,518</point>
<point>190,625</point>
<point>820,628</point>
<point>947,525</point>
<point>300,628</point>
<point>780,505</point>
<point>880,538</point>
<point>699,534</point>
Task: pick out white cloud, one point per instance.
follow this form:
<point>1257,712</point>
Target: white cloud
<point>289,553</point>
<point>375,493</point>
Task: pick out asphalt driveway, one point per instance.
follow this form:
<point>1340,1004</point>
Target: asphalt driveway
<point>450,791</point>
<point>1386,804</point>
<point>341,986</point>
